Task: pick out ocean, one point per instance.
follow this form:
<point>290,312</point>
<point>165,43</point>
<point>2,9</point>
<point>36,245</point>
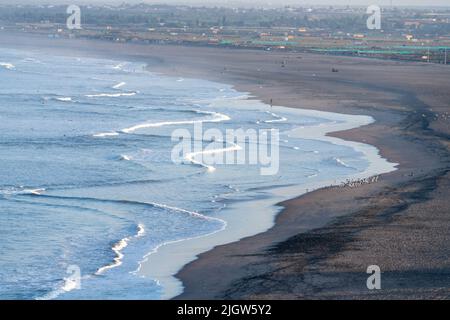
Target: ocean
<point>88,185</point>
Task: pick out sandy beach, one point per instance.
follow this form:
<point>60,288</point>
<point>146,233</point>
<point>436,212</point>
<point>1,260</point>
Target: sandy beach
<point>323,241</point>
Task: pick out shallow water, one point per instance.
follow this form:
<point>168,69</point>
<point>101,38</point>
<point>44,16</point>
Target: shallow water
<point>86,176</point>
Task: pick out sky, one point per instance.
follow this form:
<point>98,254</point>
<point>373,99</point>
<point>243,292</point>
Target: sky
<point>246,2</point>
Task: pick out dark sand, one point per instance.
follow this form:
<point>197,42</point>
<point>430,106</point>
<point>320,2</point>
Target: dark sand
<point>323,241</point>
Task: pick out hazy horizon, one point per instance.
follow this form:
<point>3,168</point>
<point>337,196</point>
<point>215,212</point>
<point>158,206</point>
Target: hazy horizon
<point>258,3</point>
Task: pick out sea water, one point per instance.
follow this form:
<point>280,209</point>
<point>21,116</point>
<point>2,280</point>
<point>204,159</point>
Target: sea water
<point>87,180</point>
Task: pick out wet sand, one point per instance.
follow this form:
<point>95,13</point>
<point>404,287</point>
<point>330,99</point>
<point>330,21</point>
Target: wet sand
<point>323,241</point>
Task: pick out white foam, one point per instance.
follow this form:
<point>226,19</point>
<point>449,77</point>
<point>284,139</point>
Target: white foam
<point>123,243</point>
<point>216,117</point>
<point>70,284</point>
<point>191,213</point>
<point>112,95</point>
<point>125,157</point>
<point>118,247</point>
<point>191,156</point>
<point>35,191</point>
<point>342,163</point>
<point>64,99</point>
<point>21,190</point>
<point>141,231</point>
<point>105,134</point>
<point>66,287</point>
<point>119,66</point>
<point>119,85</point>
<point>278,118</point>
<point>7,65</point>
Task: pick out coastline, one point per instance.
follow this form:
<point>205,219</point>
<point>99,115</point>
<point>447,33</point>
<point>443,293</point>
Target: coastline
<point>260,214</point>
<point>301,253</point>
<point>253,262</point>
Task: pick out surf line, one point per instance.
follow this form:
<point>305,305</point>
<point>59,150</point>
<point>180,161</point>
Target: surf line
<point>191,156</point>
<point>118,247</point>
<point>194,214</point>
<point>215,117</point>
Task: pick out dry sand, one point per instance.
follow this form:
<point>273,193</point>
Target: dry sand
<point>323,241</point>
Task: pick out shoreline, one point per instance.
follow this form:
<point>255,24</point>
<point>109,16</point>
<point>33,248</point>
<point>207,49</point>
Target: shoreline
<point>404,121</point>
<point>186,251</point>
<point>255,265</point>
